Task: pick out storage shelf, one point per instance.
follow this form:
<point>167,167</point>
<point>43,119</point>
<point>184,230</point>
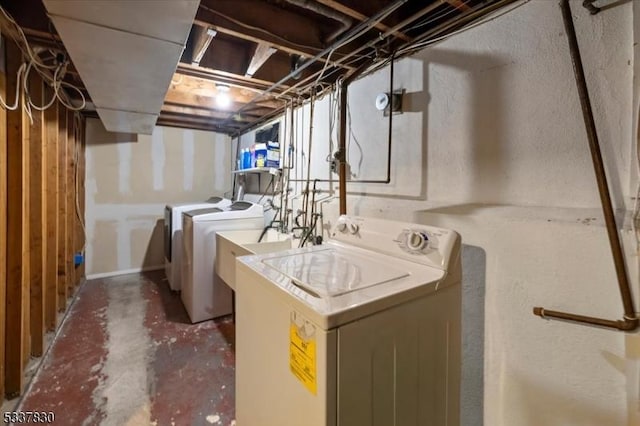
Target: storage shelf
<point>270,170</point>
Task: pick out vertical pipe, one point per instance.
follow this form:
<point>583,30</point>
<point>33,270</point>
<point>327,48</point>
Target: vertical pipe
<point>342,147</point>
<point>630,321</point>
<point>598,165</point>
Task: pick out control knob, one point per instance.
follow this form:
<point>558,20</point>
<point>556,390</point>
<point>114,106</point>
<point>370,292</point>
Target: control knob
<point>353,228</point>
<point>417,240</point>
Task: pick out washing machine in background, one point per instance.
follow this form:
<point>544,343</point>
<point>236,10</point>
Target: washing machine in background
<point>204,294</point>
<point>364,329</point>
<point>173,236</point>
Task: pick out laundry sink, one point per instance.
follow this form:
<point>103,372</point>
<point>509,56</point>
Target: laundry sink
<point>231,244</point>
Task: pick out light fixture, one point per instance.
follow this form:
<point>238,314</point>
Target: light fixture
<point>223,99</point>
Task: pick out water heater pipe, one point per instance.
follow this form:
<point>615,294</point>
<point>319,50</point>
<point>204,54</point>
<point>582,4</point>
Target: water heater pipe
<point>629,321</point>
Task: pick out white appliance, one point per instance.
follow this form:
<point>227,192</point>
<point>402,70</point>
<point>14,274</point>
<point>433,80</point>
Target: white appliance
<point>204,294</point>
<point>362,330</point>
<point>173,236</point>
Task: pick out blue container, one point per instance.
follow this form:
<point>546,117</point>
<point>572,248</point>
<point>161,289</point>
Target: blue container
<point>246,159</point>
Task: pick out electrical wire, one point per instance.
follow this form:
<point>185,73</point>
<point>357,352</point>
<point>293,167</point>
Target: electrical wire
<point>425,43</point>
<point>430,19</point>
<point>353,137</point>
<point>35,62</point>
<point>17,96</point>
<point>78,137</point>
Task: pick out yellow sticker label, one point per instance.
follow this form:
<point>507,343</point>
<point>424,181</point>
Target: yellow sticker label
<point>302,352</point>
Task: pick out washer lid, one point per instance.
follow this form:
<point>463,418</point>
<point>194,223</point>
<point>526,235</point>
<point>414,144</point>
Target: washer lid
<point>199,212</point>
<point>330,272</point>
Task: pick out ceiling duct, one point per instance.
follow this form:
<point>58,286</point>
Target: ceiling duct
<point>126,52</point>
<point>328,12</point>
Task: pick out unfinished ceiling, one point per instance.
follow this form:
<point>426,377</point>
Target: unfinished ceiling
<point>259,54</point>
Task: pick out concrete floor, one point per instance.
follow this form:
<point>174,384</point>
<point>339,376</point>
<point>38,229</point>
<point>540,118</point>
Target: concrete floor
<point>128,355</point>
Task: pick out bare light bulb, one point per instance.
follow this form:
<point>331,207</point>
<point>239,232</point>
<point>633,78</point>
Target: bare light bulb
<point>223,100</point>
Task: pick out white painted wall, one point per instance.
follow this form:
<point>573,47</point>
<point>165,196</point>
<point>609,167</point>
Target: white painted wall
<point>492,144</point>
<point>130,178</point>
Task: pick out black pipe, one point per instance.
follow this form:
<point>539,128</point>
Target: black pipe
<point>389,135</point>
<point>630,321</point>
<point>588,4</point>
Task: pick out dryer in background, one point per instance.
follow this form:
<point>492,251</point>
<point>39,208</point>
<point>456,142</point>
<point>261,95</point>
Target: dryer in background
<point>362,330</point>
<point>173,236</point>
<point>204,294</point>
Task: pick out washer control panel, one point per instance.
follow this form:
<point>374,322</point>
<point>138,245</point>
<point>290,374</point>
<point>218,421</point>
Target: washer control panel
<point>415,242</point>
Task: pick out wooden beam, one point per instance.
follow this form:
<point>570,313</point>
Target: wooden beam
<point>36,222</point>
<point>51,146</point>
<point>202,40</point>
<point>62,209</point>
<point>3,217</point>
<point>459,4</point>
<point>199,92</point>
<point>223,77</point>
<point>260,56</point>
<point>195,112</point>
<point>17,292</point>
<point>360,17</point>
<point>241,34</point>
<point>193,126</point>
<point>196,122</point>
<point>71,201</point>
<point>261,20</point>
<point>79,234</point>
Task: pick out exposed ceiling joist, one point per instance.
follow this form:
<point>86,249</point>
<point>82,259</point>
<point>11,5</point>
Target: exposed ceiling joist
<point>262,40</point>
<point>196,91</point>
<point>202,40</point>
<point>223,77</point>
<point>259,42</point>
<point>459,4</point>
<point>359,16</point>
<point>260,56</point>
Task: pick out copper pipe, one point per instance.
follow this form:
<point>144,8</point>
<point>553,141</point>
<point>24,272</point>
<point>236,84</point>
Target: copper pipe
<point>630,321</point>
<point>341,155</point>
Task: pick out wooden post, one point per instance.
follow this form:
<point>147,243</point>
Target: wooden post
<point>62,208</point>
<point>70,199</point>
<point>17,316</point>
<point>79,235</point>
<point>3,215</point>
<point>37,224</point>
<point>51,179</point>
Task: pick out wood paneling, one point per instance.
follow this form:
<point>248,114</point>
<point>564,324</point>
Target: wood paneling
<point>17,314</point>
<point>37,224</point>
<point>51,187</point>
<point>62,209</point>
<point>3,218</point>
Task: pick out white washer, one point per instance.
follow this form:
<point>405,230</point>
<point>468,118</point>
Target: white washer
<point>173,236</point>
<point>204,294</point>
<point>362,330</point>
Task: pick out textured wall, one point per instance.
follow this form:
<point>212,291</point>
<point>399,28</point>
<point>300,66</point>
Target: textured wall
<point>492,144</point>
<point>129,180</point>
